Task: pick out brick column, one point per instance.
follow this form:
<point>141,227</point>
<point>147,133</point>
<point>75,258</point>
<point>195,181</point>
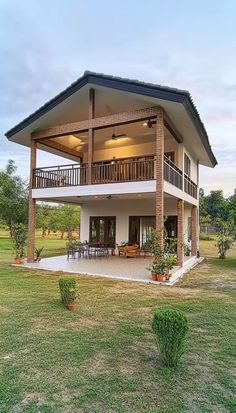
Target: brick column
<point>160,176</point>
<point>32,204</point>
<point>91,134</point>
<point>180,232</point>
<point>194,230</point>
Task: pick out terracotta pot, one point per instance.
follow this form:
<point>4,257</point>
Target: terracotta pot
<point>161,277</point>
<point>154,276</point>
<point>71,306</point>
<point>18,261</point>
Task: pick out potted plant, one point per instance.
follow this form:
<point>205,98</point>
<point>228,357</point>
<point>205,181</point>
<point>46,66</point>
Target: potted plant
<point>18,237</point>
<point>69,292</point>
<point>38,252</point>
<point>71,301</point>
<point>170,262</point>
<point>158,269</point>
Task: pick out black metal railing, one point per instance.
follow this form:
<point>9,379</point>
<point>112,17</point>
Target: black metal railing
<point>190,187</point>
<point>117,170</point>
<point>172,173</point>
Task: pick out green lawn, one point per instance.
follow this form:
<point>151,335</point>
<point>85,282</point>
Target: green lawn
<point>102,357</point>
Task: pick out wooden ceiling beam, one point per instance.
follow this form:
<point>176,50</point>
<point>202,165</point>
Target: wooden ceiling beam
<point>172,129</point>
<point>61,148</point>
<point>97,123</point>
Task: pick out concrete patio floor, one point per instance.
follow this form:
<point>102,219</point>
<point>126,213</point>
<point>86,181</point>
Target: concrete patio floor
<point>129,269</point>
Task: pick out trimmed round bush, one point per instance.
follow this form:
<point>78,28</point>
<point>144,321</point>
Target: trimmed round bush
<point>67,285</point>
<point>170,327</point>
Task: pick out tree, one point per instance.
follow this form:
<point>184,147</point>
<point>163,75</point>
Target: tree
<point>45,216</point>
<point>68,219</point>
<point>216,205</point>
<point>202,203</point>
<point>13,196</point>
<point>232,210</point>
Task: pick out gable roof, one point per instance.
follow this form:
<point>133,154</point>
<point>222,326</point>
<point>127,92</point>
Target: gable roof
<point>126,85</point>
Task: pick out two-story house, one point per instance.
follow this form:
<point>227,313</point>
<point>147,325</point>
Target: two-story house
<point>136,149</point>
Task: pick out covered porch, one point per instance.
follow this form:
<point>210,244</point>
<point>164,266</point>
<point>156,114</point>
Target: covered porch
<point>114,267</point>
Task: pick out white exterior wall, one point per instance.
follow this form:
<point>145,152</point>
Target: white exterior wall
<point>122,209</point>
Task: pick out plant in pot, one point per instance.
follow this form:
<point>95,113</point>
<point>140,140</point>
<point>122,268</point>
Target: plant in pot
<point>158,269</point>
<point>38,252</point>
<point>69,292</point>
<point>18,237</point>
<point>170,262</point>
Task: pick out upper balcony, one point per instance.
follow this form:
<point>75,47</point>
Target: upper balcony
<point>132,169</point>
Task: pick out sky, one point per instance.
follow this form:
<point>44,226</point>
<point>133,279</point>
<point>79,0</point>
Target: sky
<point>46,45</point>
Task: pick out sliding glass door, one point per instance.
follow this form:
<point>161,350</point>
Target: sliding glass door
<point>103,230</point>
<point>140,228</point>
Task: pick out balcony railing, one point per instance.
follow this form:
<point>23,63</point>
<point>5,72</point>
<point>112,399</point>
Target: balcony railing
<point>172,173</point>
<point>117,170</point>
<point>189,186</point>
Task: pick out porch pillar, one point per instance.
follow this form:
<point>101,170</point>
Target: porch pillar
<point>160,176</point>
<point>90,134</point>
<point>32,205</point>
<point>180,232</point>
<point>194,231</point>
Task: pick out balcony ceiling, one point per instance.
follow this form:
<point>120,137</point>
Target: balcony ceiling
<point>109,101</point>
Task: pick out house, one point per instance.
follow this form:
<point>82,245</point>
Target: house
<point>136,149</point>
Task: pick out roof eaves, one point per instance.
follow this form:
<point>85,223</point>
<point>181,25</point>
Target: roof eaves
<point>128,85</point>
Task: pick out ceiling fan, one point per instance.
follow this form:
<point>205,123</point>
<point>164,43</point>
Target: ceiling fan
<point>115,136</point>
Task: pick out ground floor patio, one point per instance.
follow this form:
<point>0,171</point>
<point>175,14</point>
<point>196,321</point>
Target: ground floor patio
<point>122,268</point>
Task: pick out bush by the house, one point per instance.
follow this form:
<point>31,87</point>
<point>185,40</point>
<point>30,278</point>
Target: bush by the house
<point>170,327</point>
<point>68,289</point>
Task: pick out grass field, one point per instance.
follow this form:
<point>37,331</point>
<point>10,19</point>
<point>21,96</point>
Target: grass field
<point>102,357</point>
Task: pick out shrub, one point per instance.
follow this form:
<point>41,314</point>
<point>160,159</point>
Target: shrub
<point>68,289</point>
<point>224,243</point>
<point>170,327</point>
<point>205,237</point>
<point>19,237</point>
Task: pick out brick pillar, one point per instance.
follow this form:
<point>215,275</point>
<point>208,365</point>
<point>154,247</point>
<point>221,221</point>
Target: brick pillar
<point>180,232</point>
<point>160,176</point>
<point>194,231</point>
<point>32,204</point>
<point>91,134</point>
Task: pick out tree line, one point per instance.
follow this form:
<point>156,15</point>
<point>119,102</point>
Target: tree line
<point>14,207</point>
<point>216,210</point>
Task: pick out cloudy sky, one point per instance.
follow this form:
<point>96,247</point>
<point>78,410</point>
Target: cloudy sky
<point>46,45</point>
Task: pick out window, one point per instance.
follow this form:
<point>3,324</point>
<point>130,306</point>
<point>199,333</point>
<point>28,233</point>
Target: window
<point>187,165</point>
